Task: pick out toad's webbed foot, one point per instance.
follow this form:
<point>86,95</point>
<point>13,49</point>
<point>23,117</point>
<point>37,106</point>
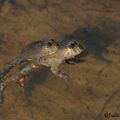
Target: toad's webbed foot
<point>21,82</point>
<point>58,73</point>
<point>74,61</point>
<point>65,76</point>
<point>20,78</point>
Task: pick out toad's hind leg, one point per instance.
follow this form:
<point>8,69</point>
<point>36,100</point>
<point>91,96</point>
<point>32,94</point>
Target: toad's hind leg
<point>24,72</point>
<point>11,64</point>
<point>20,78</point>
<point>55,70</point>
<point>2,88</point>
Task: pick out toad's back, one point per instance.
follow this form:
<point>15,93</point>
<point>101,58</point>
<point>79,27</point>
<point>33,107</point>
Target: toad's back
<point>39,48</point>
<point>32,47</point>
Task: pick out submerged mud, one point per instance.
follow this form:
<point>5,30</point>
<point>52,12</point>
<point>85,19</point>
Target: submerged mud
<point>94,89</point>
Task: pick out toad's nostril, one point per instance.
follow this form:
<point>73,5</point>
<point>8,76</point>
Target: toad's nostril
<point>49,44</point>
<point>57,44</point>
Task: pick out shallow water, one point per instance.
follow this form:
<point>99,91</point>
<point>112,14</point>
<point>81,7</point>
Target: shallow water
<point>95,85</point>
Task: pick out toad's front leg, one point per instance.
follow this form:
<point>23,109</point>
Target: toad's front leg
<point>55,70</point>
<point>74,61</point>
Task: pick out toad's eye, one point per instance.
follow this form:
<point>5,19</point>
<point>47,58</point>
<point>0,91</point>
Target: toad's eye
<point>73,44</point>
<point>49,44</point>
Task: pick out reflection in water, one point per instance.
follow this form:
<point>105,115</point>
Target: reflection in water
<point>2,41</point>
<point>37,78</point>
<point>95,40</point>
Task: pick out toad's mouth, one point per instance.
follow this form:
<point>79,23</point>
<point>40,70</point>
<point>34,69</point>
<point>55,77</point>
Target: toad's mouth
<point>49,53</point>
<point>52,52</point>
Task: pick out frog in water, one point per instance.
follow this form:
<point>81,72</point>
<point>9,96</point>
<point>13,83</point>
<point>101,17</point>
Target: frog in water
<point>63,53</point>
<point>66,52</point>
<point>32,52</point>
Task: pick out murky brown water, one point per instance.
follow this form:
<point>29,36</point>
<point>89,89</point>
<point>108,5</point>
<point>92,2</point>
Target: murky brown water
<point>95,86</point>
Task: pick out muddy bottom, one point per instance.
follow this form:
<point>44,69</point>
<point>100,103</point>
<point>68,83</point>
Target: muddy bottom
<point>94,90</point>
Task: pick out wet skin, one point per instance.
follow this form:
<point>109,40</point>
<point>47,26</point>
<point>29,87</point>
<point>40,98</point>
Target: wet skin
<point>32,52</point>
<point>63,54</point>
